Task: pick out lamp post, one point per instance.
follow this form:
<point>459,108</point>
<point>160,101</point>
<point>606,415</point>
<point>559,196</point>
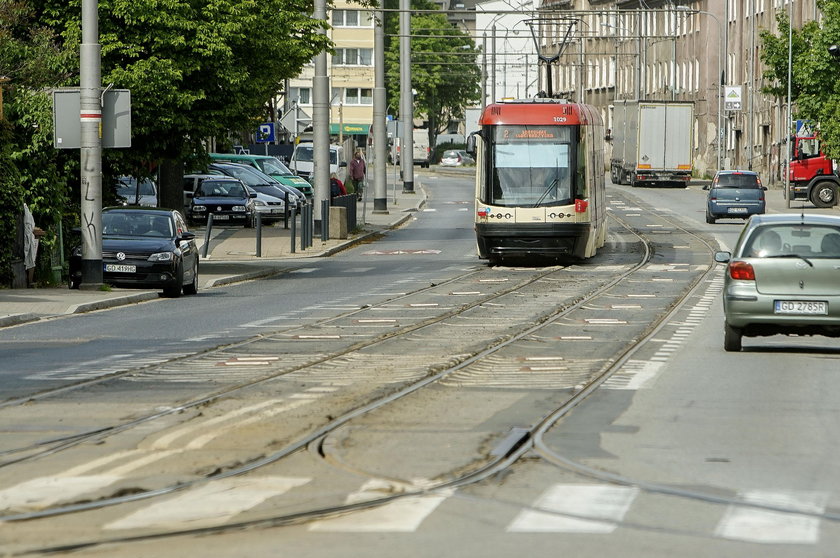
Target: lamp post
<point>719,72</point>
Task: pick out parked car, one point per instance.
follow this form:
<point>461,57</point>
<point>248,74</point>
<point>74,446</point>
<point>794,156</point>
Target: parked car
<point>270,165</point>
<point>782,278</point>
<point>254,178</point>
<point>270,208</point>
<point>226,198</point>
<point>144,247</point>
<point>456,158</point>
<point>302,163</point>
<point>734,194</point>
<point>131,191</point>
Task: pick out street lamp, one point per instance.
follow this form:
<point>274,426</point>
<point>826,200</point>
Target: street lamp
<point>719,72</point>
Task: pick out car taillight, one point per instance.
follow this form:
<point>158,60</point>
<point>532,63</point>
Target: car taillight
<point>741,271</point>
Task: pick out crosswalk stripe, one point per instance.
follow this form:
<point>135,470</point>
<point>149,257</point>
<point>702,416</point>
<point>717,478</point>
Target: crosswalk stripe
<point>773,527</point>
<point>209,504</point>
<point>576,508</point>
<point>400,516</point>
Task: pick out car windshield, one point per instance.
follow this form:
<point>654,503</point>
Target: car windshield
<point>794,240</point>
<point>450,155</point>
<point>274,166</point>
<point>127,187</point>
<point>221,189</point>
<point>249,176</point>
<point>304,154</point>
<point>116,223</point>
<point>737,180</point>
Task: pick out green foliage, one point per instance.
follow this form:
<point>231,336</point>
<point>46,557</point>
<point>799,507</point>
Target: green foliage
<point>196,69</point>
<point>815,90</point>
<point>443,67</point>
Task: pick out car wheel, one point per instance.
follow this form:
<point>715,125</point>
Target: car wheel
<point>731,338</point>
<point>824,195</point>
<point>710,218</point>
<point>192,288</point>
<point>174,290</point>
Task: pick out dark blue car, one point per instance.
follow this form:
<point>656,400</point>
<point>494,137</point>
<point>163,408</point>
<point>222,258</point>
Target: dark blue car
<point>734,194</point>
<point>226,198</point>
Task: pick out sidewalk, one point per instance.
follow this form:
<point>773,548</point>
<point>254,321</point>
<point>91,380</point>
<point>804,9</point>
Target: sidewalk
<point>232,257</point>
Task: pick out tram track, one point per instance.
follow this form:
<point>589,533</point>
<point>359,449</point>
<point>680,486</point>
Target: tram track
<point>584,300</point>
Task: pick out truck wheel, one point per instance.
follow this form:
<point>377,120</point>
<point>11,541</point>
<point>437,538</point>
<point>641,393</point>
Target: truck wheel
<point>824,194</point>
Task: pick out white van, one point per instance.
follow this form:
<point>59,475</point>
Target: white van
<point>302,165</point>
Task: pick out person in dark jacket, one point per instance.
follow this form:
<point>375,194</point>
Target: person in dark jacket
<point>336,187</point>
<point>356,173</point>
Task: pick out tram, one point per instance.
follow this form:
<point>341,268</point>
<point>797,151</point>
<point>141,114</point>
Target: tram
<point>539,187</point>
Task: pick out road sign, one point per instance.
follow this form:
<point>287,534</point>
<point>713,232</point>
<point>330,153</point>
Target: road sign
<point>115,127</point>
<point>732,98</point>
<point>265,133</point>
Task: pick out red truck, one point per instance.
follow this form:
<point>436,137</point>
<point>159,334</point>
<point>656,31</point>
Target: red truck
<point>812,174</point>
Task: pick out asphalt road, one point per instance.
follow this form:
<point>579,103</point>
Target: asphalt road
<point>712,454</point>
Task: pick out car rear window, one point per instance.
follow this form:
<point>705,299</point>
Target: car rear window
<point>737,181</point>
<point>810,241</point>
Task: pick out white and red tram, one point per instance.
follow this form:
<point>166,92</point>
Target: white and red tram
<point>539,180</point>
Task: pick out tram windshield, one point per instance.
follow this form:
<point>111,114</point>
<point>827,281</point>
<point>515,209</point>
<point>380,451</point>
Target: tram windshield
<point>532,166</point>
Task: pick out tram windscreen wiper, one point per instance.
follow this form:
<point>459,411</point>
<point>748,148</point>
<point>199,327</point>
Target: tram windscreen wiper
<point>547,190</point>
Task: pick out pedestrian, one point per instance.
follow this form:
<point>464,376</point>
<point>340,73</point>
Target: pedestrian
<point>336,187</point>
<point>31,239</point>
<point>356,173</point>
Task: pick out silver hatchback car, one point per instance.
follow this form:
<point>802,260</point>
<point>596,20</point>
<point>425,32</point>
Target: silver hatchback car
<point>783,277</point>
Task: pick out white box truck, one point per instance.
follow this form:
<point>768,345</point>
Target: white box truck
<point>652,142</point>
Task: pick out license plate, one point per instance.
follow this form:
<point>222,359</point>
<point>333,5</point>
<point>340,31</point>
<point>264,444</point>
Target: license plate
<point>120,268</point>
<point>221,217</point>
<point>737,210</point>
<point>801,307</point>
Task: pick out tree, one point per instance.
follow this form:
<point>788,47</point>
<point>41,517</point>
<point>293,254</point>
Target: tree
<point>444,71</point>
<point>196,69</point>
<point>815,90</point>
<point>33,60</point>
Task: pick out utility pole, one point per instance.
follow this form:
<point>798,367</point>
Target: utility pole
<point>90,82</point>
<point>406,98</point>
<point>380,134</point>
<point>320,124</point>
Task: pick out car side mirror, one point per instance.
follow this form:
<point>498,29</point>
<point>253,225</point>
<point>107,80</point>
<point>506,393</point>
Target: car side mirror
<point>723,257</point>
<point>470,147</point>
<point>764,188</point>
<point>252,195</point>
<point>186,235</point>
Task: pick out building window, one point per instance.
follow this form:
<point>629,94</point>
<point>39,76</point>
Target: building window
<point>352,18</point>
<point>353,57</point>
<point>358,96</point>
<point>304,95</point>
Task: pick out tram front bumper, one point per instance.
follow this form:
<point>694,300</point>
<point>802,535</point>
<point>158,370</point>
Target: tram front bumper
<point>521,240</point>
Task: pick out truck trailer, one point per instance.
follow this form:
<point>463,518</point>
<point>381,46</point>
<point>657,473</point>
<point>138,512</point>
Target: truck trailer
<point>652,142</point>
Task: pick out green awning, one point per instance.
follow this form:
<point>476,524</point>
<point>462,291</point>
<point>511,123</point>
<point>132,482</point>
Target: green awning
<point>350,129</point>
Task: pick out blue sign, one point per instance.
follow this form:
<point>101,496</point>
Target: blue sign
<point>265,133</point>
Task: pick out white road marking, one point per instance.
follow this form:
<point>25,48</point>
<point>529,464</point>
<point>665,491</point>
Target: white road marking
<point>209,504</point>
<point>576,508</point>
<point>400,516</point>
<point>46,491</point>
<point>772,527</point>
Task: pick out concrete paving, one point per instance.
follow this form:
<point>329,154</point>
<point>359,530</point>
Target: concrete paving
<point>231,257</point>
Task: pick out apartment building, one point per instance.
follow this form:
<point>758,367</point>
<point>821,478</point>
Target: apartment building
<point>677,50</point>
<point>351,74</point>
